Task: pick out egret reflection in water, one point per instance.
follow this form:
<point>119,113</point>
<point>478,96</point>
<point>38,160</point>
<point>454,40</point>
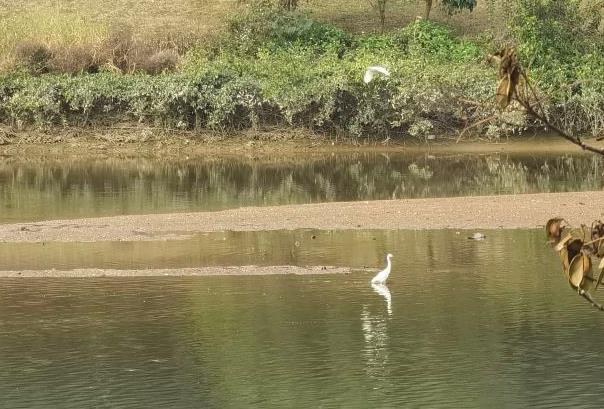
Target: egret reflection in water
<point>375,333</point>
<point>383,290</point>
<point>376,351</point>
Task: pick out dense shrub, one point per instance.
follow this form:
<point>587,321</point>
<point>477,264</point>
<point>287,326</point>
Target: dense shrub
<point>268,27</point>
<point>74,59</point>
<point>329,94</point>
<point>160,62</point>
<point>425,37</point>
<point>552,32</point>
<point>34,56</point>
<point>560,44</point>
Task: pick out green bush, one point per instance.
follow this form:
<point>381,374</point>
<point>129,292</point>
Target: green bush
<point>327,94</point>
<point>559,43</point>
<point>435,40</point>
<point>550,32</point>
<point>269,27</point>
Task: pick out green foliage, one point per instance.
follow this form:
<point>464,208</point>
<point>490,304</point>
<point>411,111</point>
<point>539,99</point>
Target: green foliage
<point>425,37</point>
<point>457,5</point>
<point>384,43</point>
<point>266,26</point>
<point>328,93</point>
<point>559,43</point>
<point>549,32</point>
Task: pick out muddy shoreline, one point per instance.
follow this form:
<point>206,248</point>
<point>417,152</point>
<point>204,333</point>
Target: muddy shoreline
<point>475,212</point>
<point>133,142</point>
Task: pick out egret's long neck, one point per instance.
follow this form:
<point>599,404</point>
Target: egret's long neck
<point>389,263</point>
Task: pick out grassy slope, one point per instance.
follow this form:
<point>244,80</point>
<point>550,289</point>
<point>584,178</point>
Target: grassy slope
<point>86,21</point>
<point>213,93</point>
<point>185,21</point>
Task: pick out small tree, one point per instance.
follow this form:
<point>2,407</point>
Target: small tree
<point>380,6</point>
<point>451,5</point>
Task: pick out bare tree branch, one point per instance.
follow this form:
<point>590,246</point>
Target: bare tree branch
<point>511,76</point>
<point>589,298</point>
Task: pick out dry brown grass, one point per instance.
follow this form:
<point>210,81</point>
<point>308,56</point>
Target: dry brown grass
<point>360,17</point>
<point>177,24</point>
<point>75,59</point>
<point>35,55</point>
<point>160,62</point>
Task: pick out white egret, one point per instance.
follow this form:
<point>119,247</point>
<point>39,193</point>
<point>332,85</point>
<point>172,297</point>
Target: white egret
<point>382,276</point>
<point>373,70</point>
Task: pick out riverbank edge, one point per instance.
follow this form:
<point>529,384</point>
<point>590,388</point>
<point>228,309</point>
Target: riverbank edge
<point>162,144</point>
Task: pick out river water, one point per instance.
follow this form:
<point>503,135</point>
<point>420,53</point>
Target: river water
<point>461,323</point>
<point>54,189</point>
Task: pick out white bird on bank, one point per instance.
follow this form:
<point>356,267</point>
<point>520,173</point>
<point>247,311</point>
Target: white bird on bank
<point>382,276</point>
<point>373,70</point>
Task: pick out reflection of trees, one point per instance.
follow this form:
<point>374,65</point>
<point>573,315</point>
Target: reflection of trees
<point>50,189</point>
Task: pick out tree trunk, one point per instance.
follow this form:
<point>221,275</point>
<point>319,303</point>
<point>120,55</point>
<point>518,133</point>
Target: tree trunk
<point>289,4</point>
<point>382,11</point>
<point>428,9</point>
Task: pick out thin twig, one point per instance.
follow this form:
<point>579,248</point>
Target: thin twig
<point>474,125</point>
<point>593,241</point>
<point>575,140</point>
<point>470,102</point>
<point>542,117</point>
<point>589,298</point>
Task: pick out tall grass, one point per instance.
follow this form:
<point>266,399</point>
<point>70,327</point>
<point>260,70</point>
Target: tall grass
<point>177,23</point>
<point>180,23</point>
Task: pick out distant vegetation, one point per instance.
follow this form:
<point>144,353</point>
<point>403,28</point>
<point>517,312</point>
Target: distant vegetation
<point>267,65</point>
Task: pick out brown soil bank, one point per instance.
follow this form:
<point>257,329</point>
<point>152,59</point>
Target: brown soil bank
<point>99,143</point>
<point>507,211</point>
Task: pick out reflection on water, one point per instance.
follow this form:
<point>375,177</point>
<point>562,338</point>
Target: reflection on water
<point>359,249</point>
<point>40,190</point>
<point>376,352</point>
<point>470,327</point>
<point>383,290</point>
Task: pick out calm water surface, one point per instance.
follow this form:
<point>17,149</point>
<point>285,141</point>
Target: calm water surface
<point>462,324</point>
<point>40,190</point>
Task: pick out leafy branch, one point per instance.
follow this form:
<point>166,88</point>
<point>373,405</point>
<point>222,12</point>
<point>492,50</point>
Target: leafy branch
<point>576,247</point>
<point>515,85</point>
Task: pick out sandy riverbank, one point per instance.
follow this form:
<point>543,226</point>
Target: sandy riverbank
<point>180,272</point>
<point>486,212</point>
